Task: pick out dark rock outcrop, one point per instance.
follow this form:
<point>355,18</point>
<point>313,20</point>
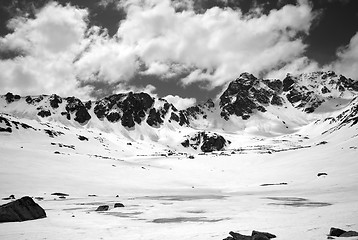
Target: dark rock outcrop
<point>81,113</point>
<point>266,234</point>
<point>11,97</point>
<point>44,113</point>
<point>208,142</point>
<point>154,119</point>
<point>337,232</point>
<point>21,210</point>
<point>349,234</point>
<point>248,94</point>
<point>60,194</point>
<point>55,101</point>
<point>102,208</point>
<point>82,138</point>
<point>116,205</point>
<point>256,235</point>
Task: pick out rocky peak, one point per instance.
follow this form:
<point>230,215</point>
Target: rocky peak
<point>248,94</point>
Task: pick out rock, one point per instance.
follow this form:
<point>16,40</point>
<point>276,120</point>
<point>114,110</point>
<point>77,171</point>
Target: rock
<point>154,119</point>
<point>321,143</point>
<point>287,83</point>
<point>21,210</point>
<point>102,208</point>
<point>268,235</point>
<point>336,232</point>
<point>55,100</point>
<point>213,143</point>
<point>11,97</point>
<point>44,113</point>
<point>9,198</point>
<point>321,174</point>
<point>256,235</point>
<point>113,117</point>
<point>259,236</point>
<point>276,100</point>
<point>183,120</point>
<point>32,100</point>
<point>60,194</point>
<point>7,129</point>
<point>174,117</point>
<point>88,104</point>
<point>118,205</point>
<point>349,234</point>
<point>209,141</point>
<point>238,236</point>
<point>229,238</point>
<point>82,138</point>
<point>81,113</point>
<point>325,90</point>
<point>127,120</point>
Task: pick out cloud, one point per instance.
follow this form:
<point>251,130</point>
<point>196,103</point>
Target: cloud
<point>297,66</point>
<point>49,42</point>
<point>179,102</point>
<point>347,62</point>
<point>218,44</point>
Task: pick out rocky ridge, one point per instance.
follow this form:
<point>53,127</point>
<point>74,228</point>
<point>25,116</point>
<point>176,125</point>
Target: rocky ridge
<point>244,98</point>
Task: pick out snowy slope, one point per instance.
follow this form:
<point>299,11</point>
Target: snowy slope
<point>265,178</point>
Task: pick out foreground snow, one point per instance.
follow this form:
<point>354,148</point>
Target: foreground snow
<point>175,197</point>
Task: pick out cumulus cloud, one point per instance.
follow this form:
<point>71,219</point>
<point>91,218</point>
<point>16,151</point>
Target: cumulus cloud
<point>179,102</point>
<point>347,62</point>
<point>218,44</point>
<point>49,42</point>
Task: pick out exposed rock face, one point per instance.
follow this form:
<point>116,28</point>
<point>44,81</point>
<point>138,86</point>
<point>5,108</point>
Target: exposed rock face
<point>34,100</point>
<point>207,142</point>
<point>21,210</point>
<point>243,98</point>
<point>349,117</point>
<point>200,110</point>
<point>9,125</point>
<point>44,113</point>
<point>154,118</point>
<point>11,97</point>
<point>55,100</point>
<point>337,232</point>
<point>248,94</point>
<point>74,105</point>
<point>130,109</point>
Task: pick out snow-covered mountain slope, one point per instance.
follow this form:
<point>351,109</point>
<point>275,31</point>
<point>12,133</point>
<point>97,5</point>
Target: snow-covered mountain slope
<point>248,106</point>
<point>287,162</point>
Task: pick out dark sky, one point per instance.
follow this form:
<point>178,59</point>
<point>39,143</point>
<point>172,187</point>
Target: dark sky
<point>335,25</point>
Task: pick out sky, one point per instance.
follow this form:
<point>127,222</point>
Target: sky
<point>183,50</point>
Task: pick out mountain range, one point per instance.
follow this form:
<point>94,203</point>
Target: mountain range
<point>249,105</point>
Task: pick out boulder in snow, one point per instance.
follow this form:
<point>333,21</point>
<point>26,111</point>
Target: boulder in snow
<point>21,210</point>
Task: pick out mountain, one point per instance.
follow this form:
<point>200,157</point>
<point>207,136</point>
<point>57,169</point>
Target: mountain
<point>266,107</point>
<point>277,155</point>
